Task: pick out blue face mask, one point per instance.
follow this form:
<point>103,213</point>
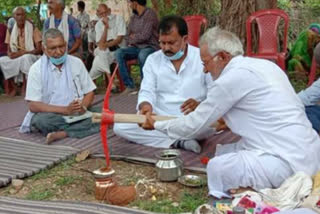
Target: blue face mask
<point>176,56</point>
<point>60,60</point>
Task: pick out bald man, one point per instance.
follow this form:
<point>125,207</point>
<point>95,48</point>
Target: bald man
<point>311,96</point>
<point>24,48</point>
<point>110,30</point>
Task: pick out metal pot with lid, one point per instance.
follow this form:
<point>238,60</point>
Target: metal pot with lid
<point>169,166</point>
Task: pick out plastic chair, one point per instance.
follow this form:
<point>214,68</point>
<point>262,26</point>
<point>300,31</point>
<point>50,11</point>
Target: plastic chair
<point>268,23</point>
<point>313,72</point>
<point>195,22</point>
<point>130,63</point>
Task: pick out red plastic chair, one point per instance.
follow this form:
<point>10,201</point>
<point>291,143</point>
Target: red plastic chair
<point>195,22</point>
<point>130,63</point>
<point>268,23</point>
<point>313,72</point>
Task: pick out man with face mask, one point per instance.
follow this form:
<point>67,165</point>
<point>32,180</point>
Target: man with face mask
<point>110,30</point>
<point>173,84</point>
<point>58,85</point>
<point>258,103</point>
<point>24,49</point>
<point>142,40</point>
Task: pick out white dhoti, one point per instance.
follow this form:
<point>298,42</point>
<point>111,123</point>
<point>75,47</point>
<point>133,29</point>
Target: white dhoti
<point>101,63</point>
<point>154,138</point>
<point>14,67</point>
<point>234,169</point>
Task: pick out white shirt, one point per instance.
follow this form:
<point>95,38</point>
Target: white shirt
<point>117,27</point>
<point>80,75</point>
<point>258,103</point>
<point>91,35</point>
<point>165,89</point>
<point>311,95</point>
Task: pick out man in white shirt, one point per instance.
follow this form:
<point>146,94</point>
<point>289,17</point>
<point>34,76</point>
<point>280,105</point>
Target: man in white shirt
<point>58,85</point>
<point>311,97</point>
<point>258,103</point>
<point>173,84</point>
<point>110,30</point>
<point>24,48</point>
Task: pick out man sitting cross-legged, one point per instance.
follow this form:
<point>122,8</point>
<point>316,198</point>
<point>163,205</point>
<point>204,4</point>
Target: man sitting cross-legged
<point>173,84</point>
<point>23,50</point>
<point>58,84</point>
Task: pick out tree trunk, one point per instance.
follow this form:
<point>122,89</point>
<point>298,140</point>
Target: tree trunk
<point>234,14</point>
<point>38,14</point>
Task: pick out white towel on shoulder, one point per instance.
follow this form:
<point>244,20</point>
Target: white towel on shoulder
<point>63,26</point>
<point>28,35</point>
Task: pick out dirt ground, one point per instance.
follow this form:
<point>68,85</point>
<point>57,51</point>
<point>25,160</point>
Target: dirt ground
<point>72,180</point>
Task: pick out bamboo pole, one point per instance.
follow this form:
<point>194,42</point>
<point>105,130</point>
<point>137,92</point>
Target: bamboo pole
<point>136,118</point>
<point>129,118</point>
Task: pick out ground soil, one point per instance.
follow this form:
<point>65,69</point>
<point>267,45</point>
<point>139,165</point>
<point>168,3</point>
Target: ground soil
<point>72,180</point>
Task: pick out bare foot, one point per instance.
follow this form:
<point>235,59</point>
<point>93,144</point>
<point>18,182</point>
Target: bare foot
<point>54,136</point>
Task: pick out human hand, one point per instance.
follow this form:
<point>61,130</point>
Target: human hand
<point>145,108</point>
<point>105,21</point>
<point>17,54</point>
<point>189,106</point>
<point>222,126</point>
<point>74,107</point>
<point>103,45</point>
<point>149,122</point>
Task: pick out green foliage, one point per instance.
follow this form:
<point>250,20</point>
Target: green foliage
<point>66,180</point>
<point>302,14</point>
<point>40,194</point>
<point>209,8</point>
<point>9,5</point>
<point>188,202</point>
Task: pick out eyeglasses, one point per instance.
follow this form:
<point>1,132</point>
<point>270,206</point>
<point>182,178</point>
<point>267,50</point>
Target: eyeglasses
<point>206,62</point>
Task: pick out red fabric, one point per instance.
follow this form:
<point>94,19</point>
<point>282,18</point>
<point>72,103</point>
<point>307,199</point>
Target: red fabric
<point>3,46</point>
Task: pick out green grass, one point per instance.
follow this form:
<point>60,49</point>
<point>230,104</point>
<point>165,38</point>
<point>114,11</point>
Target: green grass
<point>40,195</point>
<point>188,203</point>
<point>66,180</point>
<point>65,164</point>
<point>41,175</point>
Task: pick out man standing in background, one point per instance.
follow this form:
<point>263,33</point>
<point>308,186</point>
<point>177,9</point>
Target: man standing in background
<point>84,20</point>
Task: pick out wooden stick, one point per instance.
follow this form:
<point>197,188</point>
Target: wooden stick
<point>129,118</point>
<point>136,118</point>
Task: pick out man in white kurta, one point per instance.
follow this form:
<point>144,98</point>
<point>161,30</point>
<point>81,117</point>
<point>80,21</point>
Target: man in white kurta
<point>168,88</point>
<point>110,30</point>
<point>257,102</point>
<point>58,85</point>
<point>24,49</point>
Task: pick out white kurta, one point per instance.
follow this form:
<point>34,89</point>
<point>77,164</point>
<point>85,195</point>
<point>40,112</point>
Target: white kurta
<point>81,80</point>
<point>104,58</point>
<point>13,67</point>
<point>166,90</point>
<point>311,95</point>
<point>258,103</point>
<point>20,65</point>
